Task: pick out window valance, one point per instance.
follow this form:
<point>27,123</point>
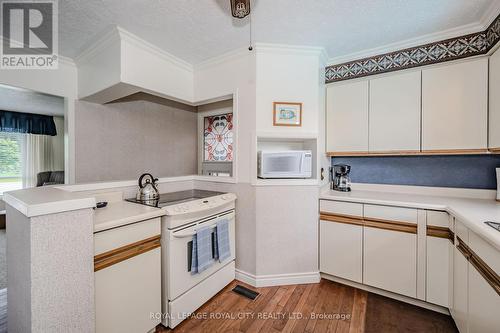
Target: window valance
<point>29,123</point>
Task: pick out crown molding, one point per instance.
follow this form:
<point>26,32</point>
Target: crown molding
<point>225,57</point>
<point>287,49</point>
<point>411,42</point>
<point>148,47</point>
<point>117,34</point>
<point>490,15</point>
<point>66,61</point>
<point>97,44</point>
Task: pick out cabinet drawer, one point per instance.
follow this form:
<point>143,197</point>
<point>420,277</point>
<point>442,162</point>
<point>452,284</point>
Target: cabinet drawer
<point>387,213</point>
<point>341,208</point>
<point>438,219</point>
<point>485,251</point>
<point>111,239</point>
<point>341,250</point>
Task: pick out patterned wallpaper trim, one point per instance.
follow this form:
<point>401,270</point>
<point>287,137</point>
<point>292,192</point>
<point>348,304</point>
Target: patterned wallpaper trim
<point>450,49</point>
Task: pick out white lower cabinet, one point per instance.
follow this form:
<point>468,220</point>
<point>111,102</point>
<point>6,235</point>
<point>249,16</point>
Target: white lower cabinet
<point>379,249</point>
<point>341,250</point>
<point>437,270</point>
<point>390,260</point>
<point>460,285</point>
<point>484,305</point>
<point>127,266</point>
<point>438,258</point>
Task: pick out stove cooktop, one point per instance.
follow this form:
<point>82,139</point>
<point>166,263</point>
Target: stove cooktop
<point>173,198</point>
<point>494,225</point>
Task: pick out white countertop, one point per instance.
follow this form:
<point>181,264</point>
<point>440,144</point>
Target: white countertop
<point>120,213</point>
<point>46,200</point>
<point>472,212</point>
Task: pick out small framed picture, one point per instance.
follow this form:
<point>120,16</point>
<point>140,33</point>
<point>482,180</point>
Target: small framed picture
<point>287,114</point>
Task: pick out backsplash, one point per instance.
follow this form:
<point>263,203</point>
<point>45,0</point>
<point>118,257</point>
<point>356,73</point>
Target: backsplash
<point>464,171</point>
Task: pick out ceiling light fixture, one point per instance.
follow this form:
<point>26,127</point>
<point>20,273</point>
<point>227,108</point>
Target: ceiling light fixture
<point>240,8</point>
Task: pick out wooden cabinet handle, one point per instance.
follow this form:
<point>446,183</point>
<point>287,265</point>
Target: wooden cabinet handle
<point>120,254</point>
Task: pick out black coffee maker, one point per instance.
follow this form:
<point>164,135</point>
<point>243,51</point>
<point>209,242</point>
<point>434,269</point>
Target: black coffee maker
<point>339,177</point>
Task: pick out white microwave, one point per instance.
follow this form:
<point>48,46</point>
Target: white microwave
<point>284,164</point>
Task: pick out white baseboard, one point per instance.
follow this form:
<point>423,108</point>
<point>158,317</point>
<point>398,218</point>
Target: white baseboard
<point>277,279</point>
<point>389,294</point>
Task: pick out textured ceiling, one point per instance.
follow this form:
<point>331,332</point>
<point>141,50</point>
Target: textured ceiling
<point>22,100</point>
<point>195,30</point>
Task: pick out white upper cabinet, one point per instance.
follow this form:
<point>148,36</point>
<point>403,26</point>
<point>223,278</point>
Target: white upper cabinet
<point>347,117</point>
<point>454,106</point>
<point>494,121</point>
<point>395,113</point>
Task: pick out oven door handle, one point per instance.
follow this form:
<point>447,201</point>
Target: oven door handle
<point>190,234</point>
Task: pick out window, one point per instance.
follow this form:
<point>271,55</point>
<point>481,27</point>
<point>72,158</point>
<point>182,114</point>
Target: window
<point>218,138</point>
<point>10,161</point>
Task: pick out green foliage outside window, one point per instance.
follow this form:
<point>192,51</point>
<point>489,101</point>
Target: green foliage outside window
<point>10,157</point>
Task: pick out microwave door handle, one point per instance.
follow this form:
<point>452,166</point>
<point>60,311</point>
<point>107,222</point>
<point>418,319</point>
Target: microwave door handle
<point>302,161</point>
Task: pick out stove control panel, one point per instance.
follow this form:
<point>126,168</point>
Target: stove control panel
<point>200,205</point>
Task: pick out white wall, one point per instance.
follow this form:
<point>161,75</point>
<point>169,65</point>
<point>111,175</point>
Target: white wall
<point>287,75</point>
<point>286,216</point>
<point>287,230</point>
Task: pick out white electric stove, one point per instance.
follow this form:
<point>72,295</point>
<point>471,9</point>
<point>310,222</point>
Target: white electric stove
<point>187,211</point>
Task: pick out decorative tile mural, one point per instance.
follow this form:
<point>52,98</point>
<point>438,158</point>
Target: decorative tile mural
<point>446,50</point>
<point>218,138</point>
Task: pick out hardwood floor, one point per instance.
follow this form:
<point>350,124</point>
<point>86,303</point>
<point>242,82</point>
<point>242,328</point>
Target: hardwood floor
<point>323,307</point>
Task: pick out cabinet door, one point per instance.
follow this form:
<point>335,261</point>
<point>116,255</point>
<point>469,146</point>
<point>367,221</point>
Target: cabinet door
<point>437,270</point>
<point>127,293</point>
<point>494,120</point>
<point>395,113</point>
<point>454,106</point>
<point>484,304</point>
<point>390,260</point>
<point>341,250</point>
<point>460,285</point>
<point>347,117</point>
<point>438,258</point>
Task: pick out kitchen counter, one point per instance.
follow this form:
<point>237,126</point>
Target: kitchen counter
<point>47,200</point>
<point>472,212</point>
<point>120,213</point>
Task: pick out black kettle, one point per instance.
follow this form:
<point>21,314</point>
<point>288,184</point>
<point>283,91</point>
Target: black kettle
<point>147,188</point>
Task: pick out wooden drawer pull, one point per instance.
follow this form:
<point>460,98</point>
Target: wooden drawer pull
<point>120,254</point>
<point>370,222</point>
<point>339,218</point>
<point>391,225</point>
<point>441,232</point>
<point>486,271</point>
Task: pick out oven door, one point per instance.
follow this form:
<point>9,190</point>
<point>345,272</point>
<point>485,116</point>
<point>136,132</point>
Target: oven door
<point>179,256</point>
